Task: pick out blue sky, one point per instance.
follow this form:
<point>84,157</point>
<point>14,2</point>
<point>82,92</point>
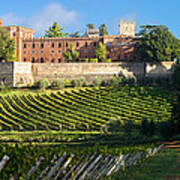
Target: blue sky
<point>73,15</point>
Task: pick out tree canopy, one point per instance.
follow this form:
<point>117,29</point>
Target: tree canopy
<point>90,26</point>
<point>103,30</point>
<point>100,51</point>
<point>7,46</point>
<point>71,54</point>
<point>157,43</point>
<point>55,31</point>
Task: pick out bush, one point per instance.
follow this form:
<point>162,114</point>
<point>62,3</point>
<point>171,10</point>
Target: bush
<point>106,60</point>
<point>113,82</point>
<point>78,82</point>
<point>41,84</point>
<point>86,60</point>
<point>165,129</point>
<point>97,81</point>
<point>58,84</point>
<point>4,88</point>
<point>145,127</point>
<point>93,60</point>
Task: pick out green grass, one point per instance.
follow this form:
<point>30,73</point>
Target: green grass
<point>155,168</point>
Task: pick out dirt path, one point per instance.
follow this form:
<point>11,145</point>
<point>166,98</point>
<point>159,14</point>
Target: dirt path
<point>176,167</point>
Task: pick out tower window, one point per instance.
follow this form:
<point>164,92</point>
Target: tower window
<point>53,60</point>
<point>42,60</point>
<point>52,51</point>
<point>33,45</point>
<point>24,59</point>
<point>24,45</point>
<point>52,45</point>
<point>33,60</point>
<point>95,44</point>
<point>86,44</point>
<point>42,45</point>
<point>59,45</point>
<point>59,60</point>
<point>66,44</point>
<point>77,44</point>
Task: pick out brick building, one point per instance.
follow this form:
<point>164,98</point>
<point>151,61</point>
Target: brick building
<point>50,50</point>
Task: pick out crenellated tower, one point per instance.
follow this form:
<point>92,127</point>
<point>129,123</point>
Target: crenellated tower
<point>127,28</point>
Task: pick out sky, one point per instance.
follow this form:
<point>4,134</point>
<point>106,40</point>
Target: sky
<point>74,15</point>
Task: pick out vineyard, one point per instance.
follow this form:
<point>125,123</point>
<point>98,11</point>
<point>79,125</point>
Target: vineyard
<point>85,109</point>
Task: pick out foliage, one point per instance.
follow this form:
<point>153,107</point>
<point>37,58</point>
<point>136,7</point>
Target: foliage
<point>100,51</point>
<point>114,81</point>
<point>165,129</point>
<point>58,84</point>
<point>106,60</point>
<point>156,43</point>
<point>71,54</point>
<point>76,34</point>
<point>7,46</point>
<point>4,88</point>
<point>90,26</point>
<point>97,81</point>
<point>55,31</point>
<point>41,84</point>
<point>176,76</point>
<point>78,82</point>
<point>93,60</point>
<point>86,60</point>
<point>103,30</point>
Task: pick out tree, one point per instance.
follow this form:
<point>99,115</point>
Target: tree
<point>76,34</point>
<point>90,26</point>
<point>7,46</point>
<point>103,30</point>
<point>100,51</point>
<point>55,31</point>
<point>156,43</point>
<point>71,54</point>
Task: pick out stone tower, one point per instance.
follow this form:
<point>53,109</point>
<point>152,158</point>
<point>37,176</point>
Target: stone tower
<point>127,28</point>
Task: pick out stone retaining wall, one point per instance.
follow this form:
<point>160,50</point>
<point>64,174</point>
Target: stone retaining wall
<point>15,73</point>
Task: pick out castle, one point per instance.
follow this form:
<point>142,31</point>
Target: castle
<point>50,50</point>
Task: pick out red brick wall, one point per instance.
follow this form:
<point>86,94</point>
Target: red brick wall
<point>118,47</point>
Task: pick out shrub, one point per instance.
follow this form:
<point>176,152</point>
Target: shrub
<point>113,82</point>
<point>58,84</point>
<point>145,127</point>
<point>93,60</point>
<point>165,129</point>
<point>4,88</point>
<point>97,81</point>
<point>78,82</point>
<point>41,84</point>
<point>86,60</point>
<point>106,60</point>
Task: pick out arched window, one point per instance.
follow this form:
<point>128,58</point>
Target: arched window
<point>42,60</point>
<point>33,60</point>
<point>25,46</point>
<point>77,44</point>
<point>59,45</point>
<point>53,60</point>
<point>24,59</point>
<point>33,45</point>
<point>119,56</point>
<point>95,44</point>
<point>66,44</point>
<point>86,44</point>
<point>59,60</point>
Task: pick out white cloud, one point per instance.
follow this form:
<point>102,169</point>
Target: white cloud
<point>11,19</point>
<point>44,18</point>
<point>52,12</point>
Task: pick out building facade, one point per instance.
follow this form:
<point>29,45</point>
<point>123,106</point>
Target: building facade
<point>50,50</point>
